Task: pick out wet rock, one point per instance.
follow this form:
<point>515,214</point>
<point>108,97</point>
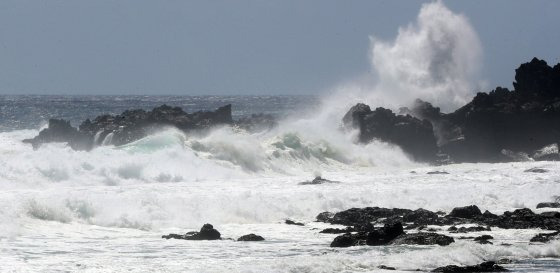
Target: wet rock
<point>536,170</point>
<point>250,238</point>
<point>524,219</point>
<point>483,267</point>
<point>325,217</point>
<point>422,238</point>
<point>384,267</point>
<point>454,229</point>
<point>468,212</point>
<point>290,222</point>
<point>318,180</point>
<point>129,126</point>
<point>384,235</point>
<point>437,172</point>
<point>346,240</point>
<point>360,216</point>
<point>337,230</point>
<point>413,135</point>
<point>546,237</point>
<point>483,238</point>
<point>207,232</point>
<point>421,217</point>
<point>548,205</point>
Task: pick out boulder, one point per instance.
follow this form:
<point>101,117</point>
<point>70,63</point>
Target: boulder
<point>546,237</point>
<point>207,232</point>
<point>468,212</point>
<point>250,237</point>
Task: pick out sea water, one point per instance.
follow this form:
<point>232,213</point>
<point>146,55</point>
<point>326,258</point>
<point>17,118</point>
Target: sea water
<point>105,210</point>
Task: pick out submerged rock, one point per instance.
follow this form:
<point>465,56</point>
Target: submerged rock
<point>536,170</point>
<point>207,232</point>
<point>251,238</point>
<point>290,222</point>
<point>422,238</point>
<point>318,180</point>
<point>546,237</point>
<point>468,212</point>
<point>548,205</point>
<point>483,267</point>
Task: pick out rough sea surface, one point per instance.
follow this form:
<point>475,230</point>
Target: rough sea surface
<point>105,210</point>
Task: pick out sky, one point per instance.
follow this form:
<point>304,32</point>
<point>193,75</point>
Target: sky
<point>251,47</point>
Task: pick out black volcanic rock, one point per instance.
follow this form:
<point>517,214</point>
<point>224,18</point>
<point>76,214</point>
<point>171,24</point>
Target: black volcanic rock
<point>251,238</point>
<point>384,235</point>
<point>422,238</point>
<point>290,222</point>
<point>483,267</point>
<point>413,135</point>
<point>360,216</point>
<point>207,232</point>
<point>546,237</point>
<point>129,126</point>
<point>523,219</point>
<point>468,212</point>
<point>548,205</point>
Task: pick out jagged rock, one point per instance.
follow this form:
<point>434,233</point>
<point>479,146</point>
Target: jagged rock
<point>290,222</point>
<point>548,205</point>
<point>523,219</point>
<point>454,229</point>
<point>422,238</point>
<point>483,267</point>
<point>360,216</point>
<point>546,237</point>
<point>337,230</point>
<point>325,217</point>
<point>207,232</point>
<point>129,126</point>
<point>421,217</point>
<point>468,212</point>
<point>413,135</point>
<point>251,237</point>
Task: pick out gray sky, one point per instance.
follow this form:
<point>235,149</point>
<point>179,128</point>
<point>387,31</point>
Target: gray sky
<point>237,47</point>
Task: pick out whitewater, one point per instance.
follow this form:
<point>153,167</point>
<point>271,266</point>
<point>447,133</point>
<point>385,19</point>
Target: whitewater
<point>105,210</point>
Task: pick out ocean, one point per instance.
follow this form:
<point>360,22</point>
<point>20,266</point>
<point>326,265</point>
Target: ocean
<point>105,210</point>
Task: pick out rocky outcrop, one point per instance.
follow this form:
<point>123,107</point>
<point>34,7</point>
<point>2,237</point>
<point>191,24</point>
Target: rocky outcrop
<point>483,267</point>
<point>546,237</point>
<point>318,180</point>
<point>502,125</point>
<point>468,212</point>
<point>129,126</point>
<point>548,205</point>
<point>369,235</point>
<point>422,238</point>
<point>413,135</point>
<point>207,232</point>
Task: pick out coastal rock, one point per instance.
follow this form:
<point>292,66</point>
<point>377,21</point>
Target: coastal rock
<point>546,237</point>
<point>548,205</point>
<point>207,232</point>
<point>251,238</point>
<point>360,216</point>
<point>413,135</point>
<point>384,235</point>
<point>524,219</point>
<point>346,240</point>
<point>422,238</point>
<point>468,212</point>
<point>129,126</point>
<point>318,180</point>
<point>290,222</point>
<point>483,267</point>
